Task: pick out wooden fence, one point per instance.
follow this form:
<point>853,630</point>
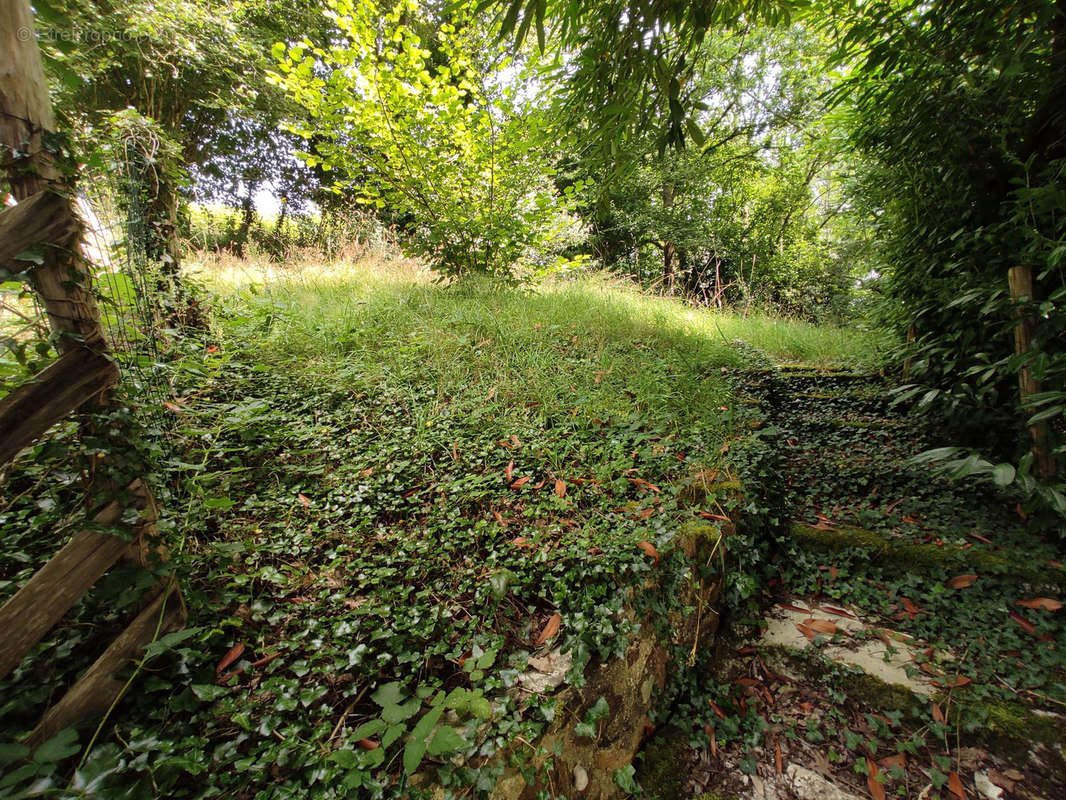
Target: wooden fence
<point>44,221</point>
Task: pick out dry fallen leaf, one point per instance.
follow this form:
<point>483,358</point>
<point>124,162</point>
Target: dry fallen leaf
<point>962,581</point>
<point>956,682</point>
<point>877,789</point>
<point>499,519</point>
<point>1026,625</point>
<point>938,714</point>
<point>777,758</point>
<point>521,542</point>
<point>821,625</point>
<point>518,484</point>
<point>368,744</point>
<point>551,627</point>
<point>1001,780</point>
<point>1046,603</point>
<point>649,549</point>
<point>898,760</point>
<point>509,472</point>
<point>304,501</point>
<point>560,488</point>
<point>805,631</point>
<point>232,655</point>
<point>955,785</point>
<point>716,709</point>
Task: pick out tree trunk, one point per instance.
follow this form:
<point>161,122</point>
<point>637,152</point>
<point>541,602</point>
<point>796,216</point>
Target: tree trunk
<point>248,215</point>
<point>669,250</point>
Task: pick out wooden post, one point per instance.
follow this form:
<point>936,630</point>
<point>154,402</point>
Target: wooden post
<point>101,686</point>
<point>1021,290</point>
<point>58,585</point>
<point>75,378</point>
<point>62,281</point>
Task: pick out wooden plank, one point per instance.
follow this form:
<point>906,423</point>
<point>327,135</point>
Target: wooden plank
<point>103,684</point>
<point>1020,280</point>
<point>62,281</point>
<point>55,587</point>
<point>35,406</point>
<point>43,219</point>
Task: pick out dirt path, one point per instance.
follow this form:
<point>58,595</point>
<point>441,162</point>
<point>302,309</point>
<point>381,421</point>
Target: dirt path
<point>913,645</point>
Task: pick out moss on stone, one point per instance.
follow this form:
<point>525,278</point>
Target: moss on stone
<point>913,557</point>
<point>699,540</point>
<point>658,772</point>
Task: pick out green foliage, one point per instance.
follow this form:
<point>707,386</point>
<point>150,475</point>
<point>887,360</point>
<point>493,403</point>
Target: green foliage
<point>957,112</point>
<point>437,130</point>
<point>629,67</point>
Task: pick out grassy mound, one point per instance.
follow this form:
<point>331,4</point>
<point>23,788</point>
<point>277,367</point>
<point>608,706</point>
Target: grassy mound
<point>389,495</point>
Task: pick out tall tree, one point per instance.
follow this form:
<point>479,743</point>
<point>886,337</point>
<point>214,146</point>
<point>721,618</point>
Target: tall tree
<point>195,68</point>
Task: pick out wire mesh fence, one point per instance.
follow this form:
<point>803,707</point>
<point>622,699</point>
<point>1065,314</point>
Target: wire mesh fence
<point>135,295</point>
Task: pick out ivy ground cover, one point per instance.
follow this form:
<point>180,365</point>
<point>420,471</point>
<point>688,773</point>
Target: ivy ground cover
<point>384,497</point>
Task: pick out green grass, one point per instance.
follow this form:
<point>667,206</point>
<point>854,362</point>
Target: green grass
<point>392,486</point>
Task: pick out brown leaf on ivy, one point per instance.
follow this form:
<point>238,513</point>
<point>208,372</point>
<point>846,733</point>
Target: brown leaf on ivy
<point>643,484</point>
<point>266,660</point>
<point>368,744</point>
<point>538,485</point>
<point>232,655</point>
<point>518,484</point>
<point>366,473</point>
<point>962,581</point>
<point>877,789</point>
<point>1046,603</point>
<point>522,543</point>
<point>499,519</point>
<point>716,709</point>
<point>304,501</point>
<point>909,608</point>
<point>649,550</point>
<point>956,682</point>
<point>1026,625</point>
<point>955,785</point>
<point>508,473</point>
<point>560,488</point>
<point>824,523</point>
<point>551,627</point>
<point>938,714</point>
<point>709,515</point>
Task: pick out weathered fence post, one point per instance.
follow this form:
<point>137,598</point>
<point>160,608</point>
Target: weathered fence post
<point>1021,286</point>
<point>44,223</point>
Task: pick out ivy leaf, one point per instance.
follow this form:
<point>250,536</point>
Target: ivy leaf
<point>368,729</point>
<point>60,746</point>
<point>416,748</point>
<point>389,694</point>
<point>1003,474</point>
<point>445,740</point>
